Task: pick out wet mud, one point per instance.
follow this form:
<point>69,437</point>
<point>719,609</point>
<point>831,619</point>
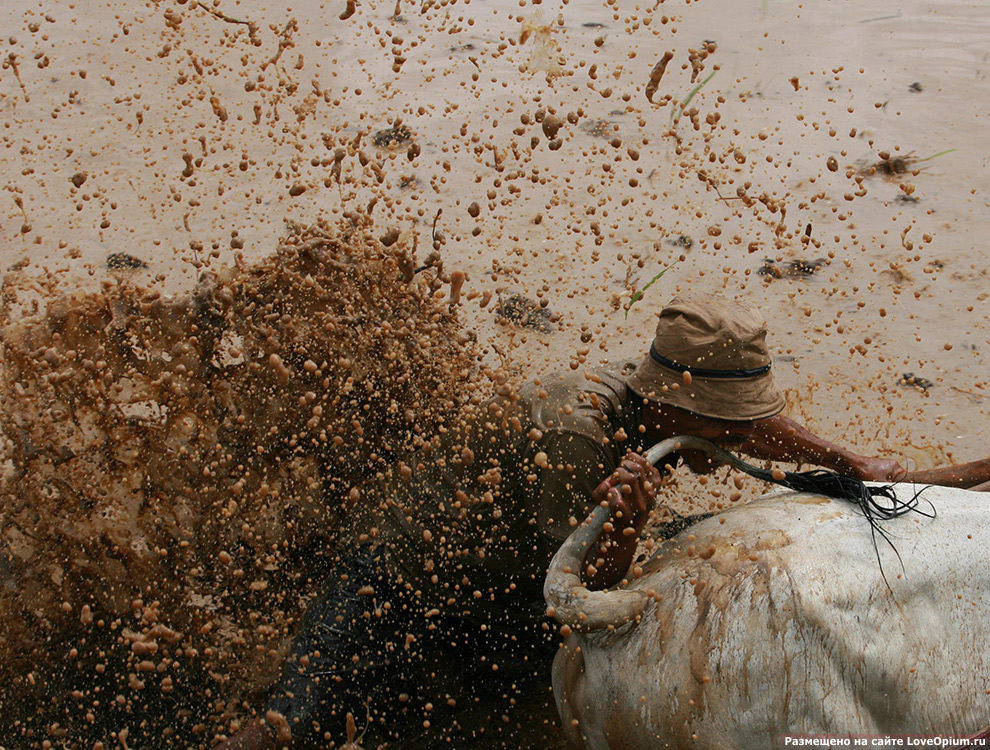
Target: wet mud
<point>180,464</point>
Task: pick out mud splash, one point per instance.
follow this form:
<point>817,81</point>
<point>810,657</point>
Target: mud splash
<point>179,465</point>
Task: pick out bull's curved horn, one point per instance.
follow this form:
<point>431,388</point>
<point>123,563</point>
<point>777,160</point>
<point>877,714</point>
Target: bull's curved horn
<point>571,602</point>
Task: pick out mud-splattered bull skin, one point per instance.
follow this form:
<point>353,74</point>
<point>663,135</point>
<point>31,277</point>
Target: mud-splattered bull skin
<point>774,618</point>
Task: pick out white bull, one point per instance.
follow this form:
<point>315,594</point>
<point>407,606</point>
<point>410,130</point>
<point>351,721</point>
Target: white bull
<point>774,618</point>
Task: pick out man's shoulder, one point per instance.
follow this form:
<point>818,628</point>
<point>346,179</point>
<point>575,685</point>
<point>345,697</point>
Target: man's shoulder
<point>607,381</point>
<point>583,401</point>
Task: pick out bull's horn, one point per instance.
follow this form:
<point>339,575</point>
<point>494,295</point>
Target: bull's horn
<point>572,603</point>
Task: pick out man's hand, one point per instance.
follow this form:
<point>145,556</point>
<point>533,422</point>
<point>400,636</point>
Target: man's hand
<point>872,469</point>
<point>631,491</point>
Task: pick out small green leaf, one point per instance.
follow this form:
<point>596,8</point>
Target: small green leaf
<point>639,295</point>
<point>675,117</point>
<point>935,156</point>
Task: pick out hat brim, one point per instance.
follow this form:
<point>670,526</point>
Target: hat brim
<point>732,399</point>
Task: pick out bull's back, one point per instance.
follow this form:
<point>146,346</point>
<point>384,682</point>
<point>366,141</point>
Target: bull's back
<point>775,617</point>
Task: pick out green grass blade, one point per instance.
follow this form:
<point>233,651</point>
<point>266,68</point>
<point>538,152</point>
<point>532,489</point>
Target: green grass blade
<point>935,156</point>
<point>639,295</point>
<point>687,100</point>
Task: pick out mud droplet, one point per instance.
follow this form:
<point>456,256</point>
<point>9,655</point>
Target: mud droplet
<point>656,74</point>
<point>390,237</point>
<point>551,124</point>
<point>283,735</point>
<point>281,371</point>
<point>456,283</point>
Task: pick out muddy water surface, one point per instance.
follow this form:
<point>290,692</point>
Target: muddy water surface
<point>530,148</point>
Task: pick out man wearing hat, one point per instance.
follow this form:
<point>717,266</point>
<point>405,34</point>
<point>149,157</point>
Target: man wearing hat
<point>448,562</point>
<point>708,374</point>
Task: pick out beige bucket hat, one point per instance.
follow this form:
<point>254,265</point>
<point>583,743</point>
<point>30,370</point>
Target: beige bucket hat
<point>722,344</point>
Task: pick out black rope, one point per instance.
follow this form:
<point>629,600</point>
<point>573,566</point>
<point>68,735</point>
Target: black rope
<point>876,503</point>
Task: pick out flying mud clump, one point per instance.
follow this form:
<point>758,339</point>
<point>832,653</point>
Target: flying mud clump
<point>176,468</point>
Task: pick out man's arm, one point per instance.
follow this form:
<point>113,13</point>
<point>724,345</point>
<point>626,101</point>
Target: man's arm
<point>781,439</point>
<point>974,475</point>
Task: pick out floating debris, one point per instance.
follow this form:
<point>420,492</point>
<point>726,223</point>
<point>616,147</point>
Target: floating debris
<point>891,165</point>
<point>898,274</point>
<point>915,87</point>
<point>897,165</point>
<point>118,261</point>
<point>522,311</point>
<point>599,128</point>
<point>394,136</point>
<point>915,381</point>
<point>681,240</point>
<point>779,269</point>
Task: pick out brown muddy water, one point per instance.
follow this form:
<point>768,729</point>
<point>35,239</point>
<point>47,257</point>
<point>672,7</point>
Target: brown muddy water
<point>213,214</point>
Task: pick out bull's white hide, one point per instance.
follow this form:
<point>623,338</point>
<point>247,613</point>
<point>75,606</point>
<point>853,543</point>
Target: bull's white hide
<point>773,618</point>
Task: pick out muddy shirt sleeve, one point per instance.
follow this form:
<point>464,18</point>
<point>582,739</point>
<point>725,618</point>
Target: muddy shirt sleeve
<point>575,465</point>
